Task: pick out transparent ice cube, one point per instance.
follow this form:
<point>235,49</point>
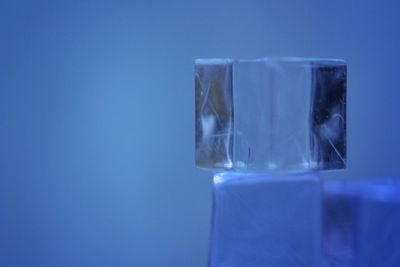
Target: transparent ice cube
<point>264,220</point>
<point>270,114</point>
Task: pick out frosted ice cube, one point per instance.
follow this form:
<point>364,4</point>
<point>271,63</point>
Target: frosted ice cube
<point>263,220</point>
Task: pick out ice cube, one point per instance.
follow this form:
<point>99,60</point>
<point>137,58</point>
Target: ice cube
<point>270,114</point>
<point>266,220</point>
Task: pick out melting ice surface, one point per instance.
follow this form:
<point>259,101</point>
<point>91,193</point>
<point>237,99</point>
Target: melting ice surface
<point>270,114</point>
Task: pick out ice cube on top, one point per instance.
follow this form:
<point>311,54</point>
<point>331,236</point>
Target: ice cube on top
<point>270,114</point>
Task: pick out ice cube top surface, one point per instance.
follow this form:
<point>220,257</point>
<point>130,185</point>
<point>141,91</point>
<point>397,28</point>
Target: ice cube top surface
<point>270,114</point>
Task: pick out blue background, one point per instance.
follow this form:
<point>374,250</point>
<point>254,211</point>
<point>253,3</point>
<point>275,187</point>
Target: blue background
<point>97,107</point>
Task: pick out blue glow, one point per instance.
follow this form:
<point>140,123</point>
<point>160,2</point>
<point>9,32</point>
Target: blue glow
<point>361,222</point>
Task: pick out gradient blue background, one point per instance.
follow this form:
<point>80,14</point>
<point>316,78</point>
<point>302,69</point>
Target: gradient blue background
<point>97,106</point>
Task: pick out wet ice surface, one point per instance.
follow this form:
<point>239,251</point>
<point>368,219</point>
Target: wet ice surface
<point>362,223</point>
<point>270,114</point>
<point>261,220</point>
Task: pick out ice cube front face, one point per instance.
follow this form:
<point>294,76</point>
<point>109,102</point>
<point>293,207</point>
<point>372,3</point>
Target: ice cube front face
<point>271,114</point>
<point>263,220</point>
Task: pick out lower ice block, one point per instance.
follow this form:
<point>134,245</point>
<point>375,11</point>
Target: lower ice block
<point>361,223</point>
<point>265,220</point>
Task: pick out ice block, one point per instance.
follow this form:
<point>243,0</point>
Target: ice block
<point>265,127</point>
<point>270,114</point>
<point>266,220</point>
